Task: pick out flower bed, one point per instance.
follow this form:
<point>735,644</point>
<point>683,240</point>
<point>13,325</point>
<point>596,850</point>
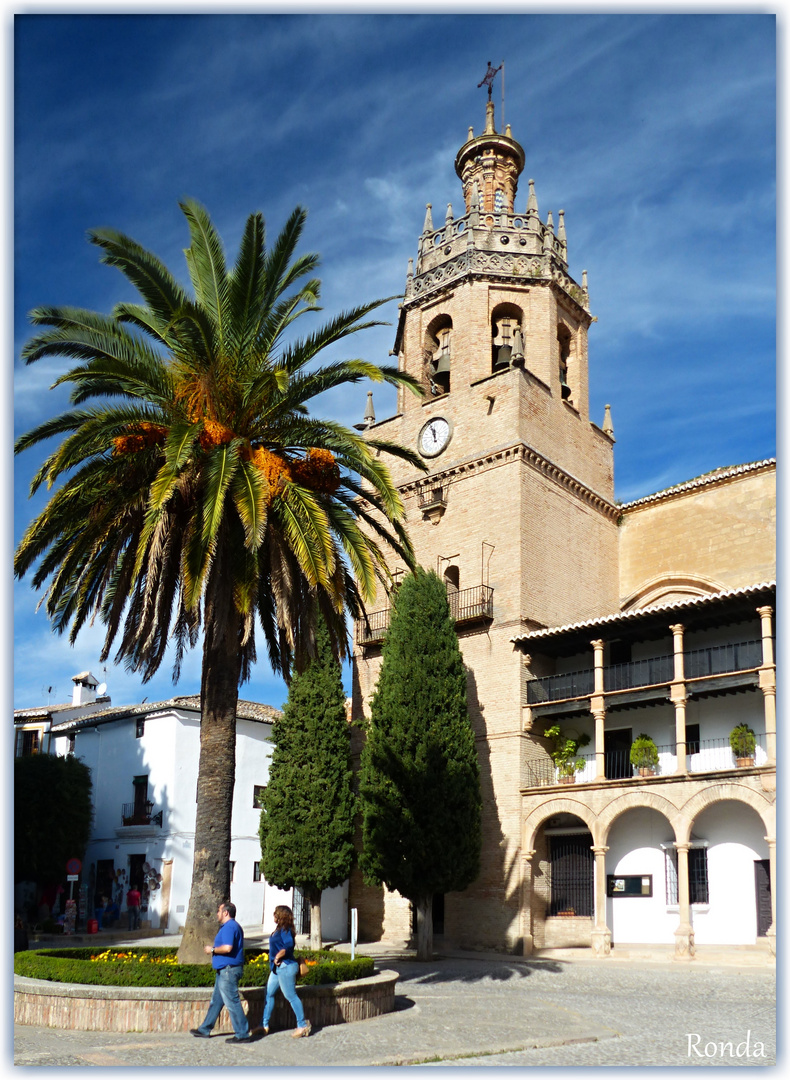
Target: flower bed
<point>170,1006</point>
<point>160,967</point>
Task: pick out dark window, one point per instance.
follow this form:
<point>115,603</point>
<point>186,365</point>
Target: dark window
<point>571,867</point>
<point>617,754</point>
<point>72,742</point>
<point>140,795</point>
<point>620,652</point>
<point>139,728</point>
<point>692,738</point>
<point>29,743</point>
<point>257,796</point>
<point>698,875</point>
<point>232,866</point>
<point>256,871</point>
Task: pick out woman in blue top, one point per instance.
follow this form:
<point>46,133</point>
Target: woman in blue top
<point>283,970</point>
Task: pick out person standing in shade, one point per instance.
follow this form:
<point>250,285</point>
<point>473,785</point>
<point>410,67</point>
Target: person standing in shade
<point>133,899</point>
<point>227,959</point>
<point>283,970</point>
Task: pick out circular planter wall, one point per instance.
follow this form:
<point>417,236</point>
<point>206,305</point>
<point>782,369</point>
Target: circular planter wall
<point>125,1008</point>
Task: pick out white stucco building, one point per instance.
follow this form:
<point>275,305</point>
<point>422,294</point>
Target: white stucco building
<point>144,766</point>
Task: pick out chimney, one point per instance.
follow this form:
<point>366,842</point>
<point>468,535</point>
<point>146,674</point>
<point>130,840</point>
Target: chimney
<point>84,688</point>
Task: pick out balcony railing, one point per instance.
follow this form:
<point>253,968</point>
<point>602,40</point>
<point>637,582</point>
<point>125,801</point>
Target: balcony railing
<point>560,687</point>
<point>653,671</point>
<point>711,755</point>
<point>140,814</point>
<point>715,754</point>
<point>466,606</point>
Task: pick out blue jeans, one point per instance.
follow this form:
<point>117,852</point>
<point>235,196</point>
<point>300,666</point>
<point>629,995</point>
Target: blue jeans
<point>226,992</point>
<point>284,978</point>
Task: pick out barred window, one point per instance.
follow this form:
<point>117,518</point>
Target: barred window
<point>571,867</point>
<point>698,875</point>
<point>257,796</point>
<point>256,871</point>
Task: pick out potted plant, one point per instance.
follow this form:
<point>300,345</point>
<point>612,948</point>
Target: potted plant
<point>644,755</point>
<point>743,742</point>
<point>565,753</point>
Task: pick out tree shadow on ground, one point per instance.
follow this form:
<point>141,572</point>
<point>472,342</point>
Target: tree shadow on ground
<point>441,970</point>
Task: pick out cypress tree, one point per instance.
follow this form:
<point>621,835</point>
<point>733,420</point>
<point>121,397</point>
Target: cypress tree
<point>307,816</point>
<point>420,776</point>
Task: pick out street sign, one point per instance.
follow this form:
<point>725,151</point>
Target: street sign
<point>73,866</point>
<point>72,877</point>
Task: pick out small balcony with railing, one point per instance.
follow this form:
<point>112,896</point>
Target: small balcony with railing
<point>467,607</point>
<point>140,815</point>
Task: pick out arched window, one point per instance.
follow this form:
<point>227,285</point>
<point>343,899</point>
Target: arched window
<point>437,352</point>
<point>451,584</point>
<point>505,336</point>
<point>564,340</point>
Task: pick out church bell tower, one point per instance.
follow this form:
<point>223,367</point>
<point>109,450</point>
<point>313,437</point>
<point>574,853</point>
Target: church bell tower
<point>516,512</point>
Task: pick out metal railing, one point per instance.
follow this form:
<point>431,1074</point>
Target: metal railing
<point>559,687</point>
<point>720,659</point>
<point>714,754</point>
<point>652,671</point>
<point>466,605</point>
<point>137,813</point>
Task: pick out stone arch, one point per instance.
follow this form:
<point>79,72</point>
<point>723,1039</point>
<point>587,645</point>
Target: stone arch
<point>533,821</point>
<point>437,352</point>
<point>669,587</point>
<point>506,319</point>
<point>632,800</point>
<point>715,793</point>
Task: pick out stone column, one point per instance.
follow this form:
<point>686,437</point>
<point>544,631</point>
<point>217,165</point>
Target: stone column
<point>684,935</point>
<point>677,695</point>
<point>771,933</point>
<point>601,934</point>
<point>598,708</point>
<point>527,939</point>
<point>768,682</point>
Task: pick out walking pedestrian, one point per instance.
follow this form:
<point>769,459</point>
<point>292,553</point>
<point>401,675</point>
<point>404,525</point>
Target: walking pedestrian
<point>133,899</point>
<point>283,970</point>
<point>227,959</point>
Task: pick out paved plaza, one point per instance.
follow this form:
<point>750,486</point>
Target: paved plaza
<point>487,1010</point>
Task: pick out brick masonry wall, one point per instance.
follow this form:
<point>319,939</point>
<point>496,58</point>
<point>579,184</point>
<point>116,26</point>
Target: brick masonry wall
<point>723,532</point>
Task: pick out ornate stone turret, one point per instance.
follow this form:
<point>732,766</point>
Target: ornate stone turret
<point>493,162</point>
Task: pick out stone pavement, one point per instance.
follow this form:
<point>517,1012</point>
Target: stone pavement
<point>473,1009</point>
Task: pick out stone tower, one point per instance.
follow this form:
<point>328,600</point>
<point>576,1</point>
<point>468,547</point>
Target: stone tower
<point>516,512</point>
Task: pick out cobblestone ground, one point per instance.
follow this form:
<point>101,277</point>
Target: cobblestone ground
<point>462,1013</point>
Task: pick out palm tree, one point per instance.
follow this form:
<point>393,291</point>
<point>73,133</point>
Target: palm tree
<point>196,492</point>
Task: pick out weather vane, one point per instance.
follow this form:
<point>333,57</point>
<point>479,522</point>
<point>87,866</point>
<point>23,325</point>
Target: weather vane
<point>488,78</point>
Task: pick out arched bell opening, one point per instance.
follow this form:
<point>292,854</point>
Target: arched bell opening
<point>507,342</point>
<point>565,344</point>
<point>437,349</point>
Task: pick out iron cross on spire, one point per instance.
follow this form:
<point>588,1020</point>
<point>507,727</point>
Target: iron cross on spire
<point>488,78</point>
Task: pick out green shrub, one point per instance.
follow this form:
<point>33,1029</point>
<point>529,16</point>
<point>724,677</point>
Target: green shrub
<point>76,966</point>
<point>743,741</point>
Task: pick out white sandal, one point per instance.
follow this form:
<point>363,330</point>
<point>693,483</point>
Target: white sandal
<point>302,1033</point>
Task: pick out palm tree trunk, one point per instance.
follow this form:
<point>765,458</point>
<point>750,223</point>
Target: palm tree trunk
<point>316,937</point>
<point>424,908</point>
<point>217,768</point>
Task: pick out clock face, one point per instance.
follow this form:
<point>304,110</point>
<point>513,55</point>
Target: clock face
<point>434,436</point>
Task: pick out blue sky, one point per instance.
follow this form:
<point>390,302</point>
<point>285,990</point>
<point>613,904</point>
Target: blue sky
<point>654,132</point>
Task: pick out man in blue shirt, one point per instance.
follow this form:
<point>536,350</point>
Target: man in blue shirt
<point>227,959</point>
